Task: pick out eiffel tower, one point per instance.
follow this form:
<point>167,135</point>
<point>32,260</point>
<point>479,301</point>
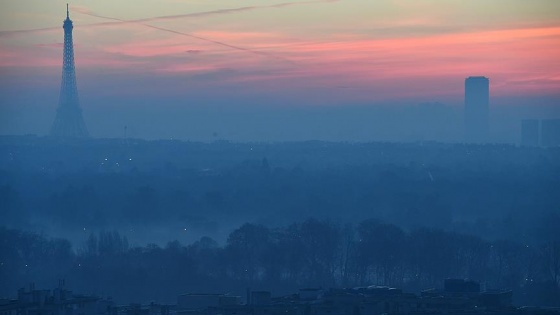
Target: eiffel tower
<point>69,122</point>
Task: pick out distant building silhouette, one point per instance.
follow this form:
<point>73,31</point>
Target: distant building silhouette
<point>477,96</point>
<point>550,132</point>
<point>59,301</point>
<point>530,132</point>
<point>69,122</point>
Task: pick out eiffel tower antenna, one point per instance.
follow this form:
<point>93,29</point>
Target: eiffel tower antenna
<point>69,122</point>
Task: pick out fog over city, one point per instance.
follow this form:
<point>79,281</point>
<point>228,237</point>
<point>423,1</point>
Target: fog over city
<point>279,157</point>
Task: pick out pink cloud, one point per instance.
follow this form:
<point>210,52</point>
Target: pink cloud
<point>151,48</point>
<point>425,62</point>
<point>516,60</point>
<point>498,54</point>
<point>187,68</point>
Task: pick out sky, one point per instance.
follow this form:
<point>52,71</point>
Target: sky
<point>221,66</point>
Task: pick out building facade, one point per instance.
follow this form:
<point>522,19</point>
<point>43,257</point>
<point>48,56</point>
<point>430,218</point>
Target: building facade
<point>477,101</point>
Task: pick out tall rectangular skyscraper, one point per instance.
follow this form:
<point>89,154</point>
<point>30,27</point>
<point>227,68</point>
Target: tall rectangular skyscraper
<point>477,99</point>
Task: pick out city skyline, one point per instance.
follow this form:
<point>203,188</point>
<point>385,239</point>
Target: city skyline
<point>187,55</point>
<point>312,156</point>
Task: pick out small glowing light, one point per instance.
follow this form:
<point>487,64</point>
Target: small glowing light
<point>25,265</point>
<point>130,159</point>
<point>105,159</point>
<point>185,229</point>
<point>84,229</point>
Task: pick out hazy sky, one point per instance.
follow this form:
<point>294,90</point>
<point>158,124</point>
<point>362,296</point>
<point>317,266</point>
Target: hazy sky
<point>188,53</point>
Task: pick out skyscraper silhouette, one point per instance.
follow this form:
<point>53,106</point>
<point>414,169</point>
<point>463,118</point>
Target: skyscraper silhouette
<point>477,98</point>
<point>69,122</point>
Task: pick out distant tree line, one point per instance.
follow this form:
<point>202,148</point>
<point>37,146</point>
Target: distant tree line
<point>312,253</point>
<point>504,201</point>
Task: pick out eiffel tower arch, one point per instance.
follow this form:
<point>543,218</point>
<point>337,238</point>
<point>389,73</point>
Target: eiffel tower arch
<point>69,122</point>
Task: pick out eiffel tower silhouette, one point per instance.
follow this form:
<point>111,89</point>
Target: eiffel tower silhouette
<point>69,122</point>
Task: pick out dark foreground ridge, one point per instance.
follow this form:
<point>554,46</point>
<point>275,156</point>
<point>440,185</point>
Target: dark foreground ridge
<point>457,297</point>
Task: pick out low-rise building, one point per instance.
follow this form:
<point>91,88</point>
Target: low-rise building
<point>54,302</point>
